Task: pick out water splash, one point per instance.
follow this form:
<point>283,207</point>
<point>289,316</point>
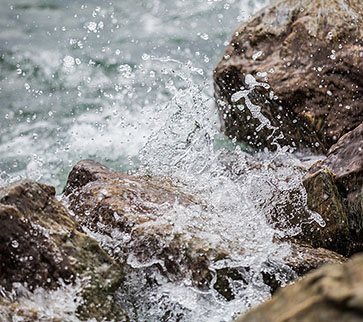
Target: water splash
<point>247,200</point>
<point>48,305</point>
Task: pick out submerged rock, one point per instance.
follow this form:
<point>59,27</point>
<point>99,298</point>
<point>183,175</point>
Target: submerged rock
<point>310,55</point>
<point>131,216</point>
<point>42,249</point>
<point>335,191</point>
<point>332,293</point>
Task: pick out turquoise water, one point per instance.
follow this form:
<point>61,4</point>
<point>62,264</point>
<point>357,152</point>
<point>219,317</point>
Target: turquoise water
<point>77,78</point>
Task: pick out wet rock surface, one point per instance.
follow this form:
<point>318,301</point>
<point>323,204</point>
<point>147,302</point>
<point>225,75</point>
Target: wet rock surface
<point>9,311</point>
<point>334,189</point>
<point>332,293</point>
<point>309,54</point>
<point>345,159</point>
<point>324,198</point>
<point>130,215</point>
<point>303,259</point>
<point>41,248</point>
<point>118,205</point>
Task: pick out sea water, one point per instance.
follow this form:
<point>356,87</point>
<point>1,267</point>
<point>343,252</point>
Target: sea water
<point>93,79</point>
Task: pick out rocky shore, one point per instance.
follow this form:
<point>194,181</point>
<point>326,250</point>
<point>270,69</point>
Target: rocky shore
<point>301,64</point>
<point>109,224</point>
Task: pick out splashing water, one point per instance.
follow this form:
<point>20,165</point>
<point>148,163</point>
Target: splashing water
<point>243,194</point>
<point>130,86</point>
<point>60,304</point>
<point>75,81</point>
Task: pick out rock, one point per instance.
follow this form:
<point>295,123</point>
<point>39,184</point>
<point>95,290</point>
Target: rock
<point>14,312</point>
<point>324,198</point>
<point>41,248</point>
<point>303,259</point>
<point>334,189</point>
<point>109,202</point>
<point>130,214</point>
<point>345,160</point>
<point>332,293</point>
<point>310,55</point>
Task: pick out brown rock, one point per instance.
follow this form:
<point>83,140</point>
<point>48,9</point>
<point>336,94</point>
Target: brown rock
<point>334,189</point>
<point>113,200</point>
<point>345,159</point>
<point>12,311</point>
<point>309,52</point>
<point>324,198</point>
<point>133,210</point>
<point>332,293</point>
<point>303,259</point>
<point>40,246</point>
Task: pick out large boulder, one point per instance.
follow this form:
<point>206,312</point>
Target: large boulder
<point>41,250</point>
<point>332,293</point>
<point>335,190</point>
<point>309,52</point>
<point>132,216</point>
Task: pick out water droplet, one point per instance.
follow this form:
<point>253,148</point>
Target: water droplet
<point>204,36</point>
<point>15,244</point>
<point>125,71</point>
<point>68,61</point>
<point>92,26</point>
<point>257,55</point>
